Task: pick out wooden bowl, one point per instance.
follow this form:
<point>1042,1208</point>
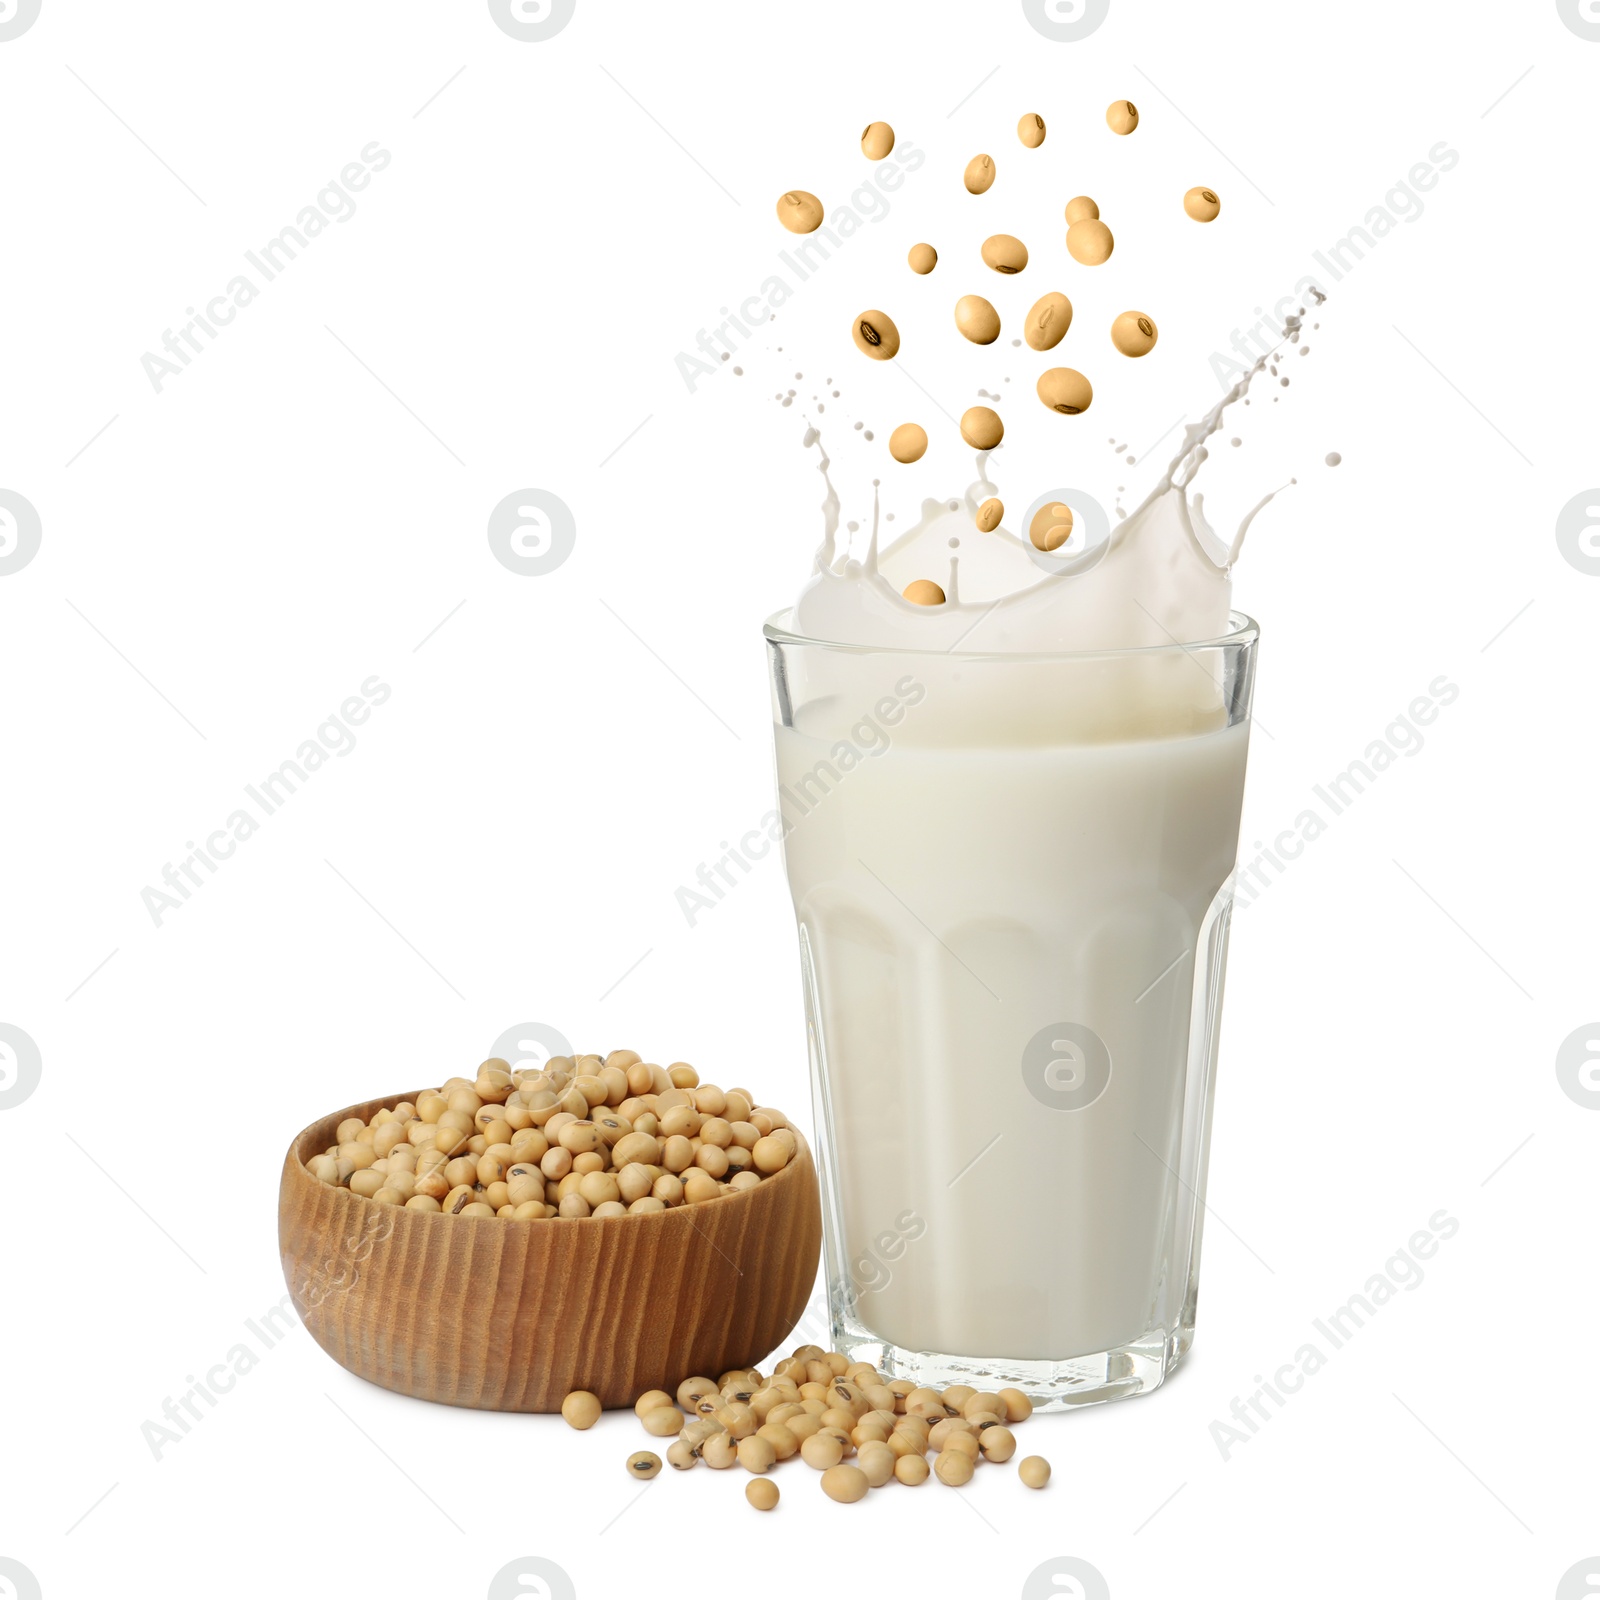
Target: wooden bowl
<point>513,1316</point>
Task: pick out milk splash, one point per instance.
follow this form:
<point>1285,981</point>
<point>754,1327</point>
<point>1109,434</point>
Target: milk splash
<point>1161,576</point>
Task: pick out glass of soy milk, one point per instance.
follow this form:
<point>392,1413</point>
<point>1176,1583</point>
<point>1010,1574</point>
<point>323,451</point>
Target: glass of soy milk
<point>1011,871</point>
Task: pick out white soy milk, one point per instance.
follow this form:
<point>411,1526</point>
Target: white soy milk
<point>997,870</point>
<point>1007,914</point>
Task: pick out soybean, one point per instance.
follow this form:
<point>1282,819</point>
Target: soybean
<point>979,174</point>
<point>762,1493</point>
<point>1090,242</point>
<point>1004,253</point>
<point>822,1450</point>
<point>1034,1471</point>
<point>784,1443</point>
<point>1065,390</point>
<point>1134,334</point>
<point>799,211</point>
<point>1122,116</point>
<point>1018,1406</point>
<point>923,592</point>
<point>845,1484</point>
<point>693,1390</point>
<point>977,320</point>
<point>1081,208</point>
<point>643,1464</point>
<point>651,1400</point>
<point>876,1460</point>
<point>922,259</point>
<point>982,428</point>
<point>877,140</point>
<point>581,1409</point>
<point>578,1138</point>
<point>663,1421</point>
<point>876,335</point>
<point>1202,204</point>
<point>998,1443</point>
<point>989,515</point>
<point>1051,526</point>
<point>907,443</point>
<point>1030,129</point>
<point>1048,321</point>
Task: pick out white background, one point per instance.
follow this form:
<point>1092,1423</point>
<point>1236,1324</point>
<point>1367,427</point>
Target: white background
<point>224,562</point>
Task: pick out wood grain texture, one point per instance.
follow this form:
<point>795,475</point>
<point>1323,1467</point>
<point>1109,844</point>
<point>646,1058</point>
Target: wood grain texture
<point>513,1316</point>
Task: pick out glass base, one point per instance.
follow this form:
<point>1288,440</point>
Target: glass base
<point>1119,1374</point>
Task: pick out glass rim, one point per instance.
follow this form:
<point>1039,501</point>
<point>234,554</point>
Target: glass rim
<point>1242,630</point>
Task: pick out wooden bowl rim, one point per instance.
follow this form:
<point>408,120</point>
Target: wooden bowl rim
<point>295,1162</point>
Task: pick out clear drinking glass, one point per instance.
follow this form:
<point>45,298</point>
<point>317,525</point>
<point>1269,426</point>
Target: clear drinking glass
<point>1012,877</point>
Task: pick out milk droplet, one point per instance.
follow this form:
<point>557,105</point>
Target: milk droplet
<point>867,434</point>
<point>1333,458</point>
<point>1236,443</point>
<point>738,372</point>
